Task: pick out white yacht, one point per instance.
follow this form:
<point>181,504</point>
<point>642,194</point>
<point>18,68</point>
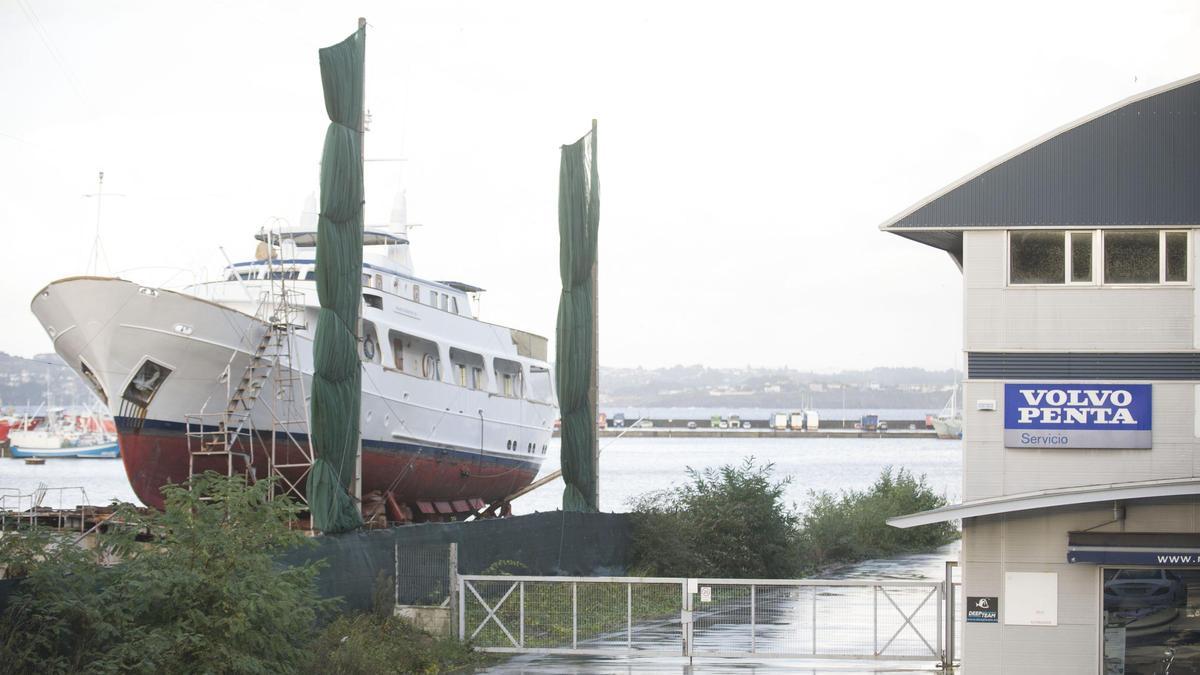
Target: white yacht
<point>456,412</point>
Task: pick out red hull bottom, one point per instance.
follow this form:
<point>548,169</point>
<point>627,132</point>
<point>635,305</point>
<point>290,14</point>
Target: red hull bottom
<point>424,478</point>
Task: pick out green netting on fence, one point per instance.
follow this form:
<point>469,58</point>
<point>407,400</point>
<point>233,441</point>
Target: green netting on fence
<point>337,380</point>
<point>553,543</point>
<point>578,222</point>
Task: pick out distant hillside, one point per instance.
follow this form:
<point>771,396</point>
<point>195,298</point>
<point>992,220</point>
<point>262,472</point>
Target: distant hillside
<point>24,381</point>
<point>698,386</point>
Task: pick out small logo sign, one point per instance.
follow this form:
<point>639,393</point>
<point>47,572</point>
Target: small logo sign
<point>706,594</point>
<point>983,609</point>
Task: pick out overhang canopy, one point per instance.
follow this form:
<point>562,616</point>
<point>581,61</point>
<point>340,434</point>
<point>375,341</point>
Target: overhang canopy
<point>1134,163</point>
<point>1045,499</point>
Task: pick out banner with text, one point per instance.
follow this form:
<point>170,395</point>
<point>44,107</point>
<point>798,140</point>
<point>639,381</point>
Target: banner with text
<point>1077,415</point>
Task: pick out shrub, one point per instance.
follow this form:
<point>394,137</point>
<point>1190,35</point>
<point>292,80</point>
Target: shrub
<point>733,522</point>
<point>852,526</point>
<point>369,643</point>
<point>203,595</point>
<point>726,522</point>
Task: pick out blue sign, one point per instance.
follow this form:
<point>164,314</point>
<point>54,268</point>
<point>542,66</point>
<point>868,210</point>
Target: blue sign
<point>1077,415</point>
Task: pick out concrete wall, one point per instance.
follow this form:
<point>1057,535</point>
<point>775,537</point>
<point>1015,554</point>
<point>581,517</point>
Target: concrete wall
<point>998,317</point>
<point>990,469</point>
<point>1037,542</point>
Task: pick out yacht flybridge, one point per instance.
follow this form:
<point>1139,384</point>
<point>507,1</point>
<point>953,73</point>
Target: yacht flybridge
<point>456,412</point>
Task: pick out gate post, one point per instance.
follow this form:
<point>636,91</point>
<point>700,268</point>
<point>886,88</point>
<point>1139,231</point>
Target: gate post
<point>456,594</point>
<point>951,604</point>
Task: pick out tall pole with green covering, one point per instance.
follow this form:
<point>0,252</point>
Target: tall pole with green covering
<point>576,340</point>
<point>337,376</point>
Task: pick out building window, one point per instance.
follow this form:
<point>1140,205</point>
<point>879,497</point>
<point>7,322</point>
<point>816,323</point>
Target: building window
<point>1037,257</point>
<point>1081,257</point>
<point>1126,257</point>
<point>1175,246</point>
<point>1131,256</point>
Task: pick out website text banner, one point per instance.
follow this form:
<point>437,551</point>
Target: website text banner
<point>1041,415</point>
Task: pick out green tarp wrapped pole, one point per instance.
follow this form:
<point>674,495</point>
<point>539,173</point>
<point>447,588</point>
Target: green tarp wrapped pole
<point>337,378</point>
<point>577,364</point>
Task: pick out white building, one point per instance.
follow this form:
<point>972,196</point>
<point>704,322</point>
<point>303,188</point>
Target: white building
<point>1081,430</point>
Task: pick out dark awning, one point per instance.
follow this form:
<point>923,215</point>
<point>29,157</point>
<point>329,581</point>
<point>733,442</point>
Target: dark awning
<point>1160,549</point>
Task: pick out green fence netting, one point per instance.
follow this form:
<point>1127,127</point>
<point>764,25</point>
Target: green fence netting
<point>337,380</point>
<point>578,222</point>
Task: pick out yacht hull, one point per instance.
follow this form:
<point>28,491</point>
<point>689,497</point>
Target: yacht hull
<point>440,448</point>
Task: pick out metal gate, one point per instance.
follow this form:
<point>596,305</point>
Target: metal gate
<point>805,618</point>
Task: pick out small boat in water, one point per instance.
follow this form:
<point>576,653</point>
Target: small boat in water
<point>66,436</point>
<point>948,424</point>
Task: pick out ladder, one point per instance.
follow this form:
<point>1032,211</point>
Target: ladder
<point>232,437</point>
<point>269,384</point>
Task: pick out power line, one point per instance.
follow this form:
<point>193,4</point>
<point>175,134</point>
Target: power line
<point>40,29</point>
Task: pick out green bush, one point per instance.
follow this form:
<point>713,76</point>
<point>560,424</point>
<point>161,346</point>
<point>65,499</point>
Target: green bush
<point>202,595</point>
<point>733,522</point>
<point>369,643</point>
<point>852,526</point>
<point>727,522</point>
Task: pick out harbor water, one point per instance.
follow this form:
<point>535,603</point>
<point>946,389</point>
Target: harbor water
<point>629,467</point>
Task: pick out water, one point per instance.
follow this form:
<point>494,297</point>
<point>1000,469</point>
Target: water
<point>634,466</point>
<point>629,467</point>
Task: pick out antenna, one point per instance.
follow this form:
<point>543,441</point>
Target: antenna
<point>93,266</point>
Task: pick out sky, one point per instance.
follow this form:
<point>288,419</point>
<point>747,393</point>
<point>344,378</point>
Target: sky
<point>747,151</point>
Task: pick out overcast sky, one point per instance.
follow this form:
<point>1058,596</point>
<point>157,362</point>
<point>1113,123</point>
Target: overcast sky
<point>748,151</point>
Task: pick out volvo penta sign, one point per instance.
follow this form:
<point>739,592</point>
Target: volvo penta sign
<point>1077,415</point>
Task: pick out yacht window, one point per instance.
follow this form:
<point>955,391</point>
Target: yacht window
<point>1131,256</point>
<point>540,386</point>
<point>396,285</point>
<point>454,305</point>
<point>1036,257</point>
<point>416,293</point>
<point>397,351</point>
<point>508,374</point>
<point>1175,245</point>
<point>310,275</point>
<point>379,281</point>
<point>433,298</point>
<point>468,366</point>
<point>366,280</point>
<point>370,343</point>
<point>373,301</point>
<point>445,300</point>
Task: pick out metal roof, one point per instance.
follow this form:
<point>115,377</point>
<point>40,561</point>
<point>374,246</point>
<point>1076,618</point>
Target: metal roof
<point>1134,163</point>
<point>1044,499</point>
